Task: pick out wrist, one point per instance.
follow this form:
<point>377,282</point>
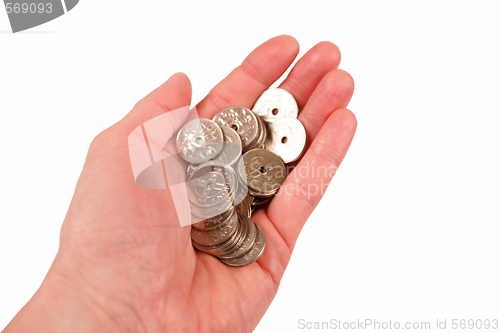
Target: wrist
<point>64,305</point>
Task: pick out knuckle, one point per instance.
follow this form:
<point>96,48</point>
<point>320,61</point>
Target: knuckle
<point>218,100</point>
<point>253,72</point>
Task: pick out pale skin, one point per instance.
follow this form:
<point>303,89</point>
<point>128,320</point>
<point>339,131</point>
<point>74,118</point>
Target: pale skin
<point>115,273</point>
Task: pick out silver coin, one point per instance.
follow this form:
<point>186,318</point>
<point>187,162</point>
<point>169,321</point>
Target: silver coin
<point>244,208</point>
<point>262,171</point>
<point>241,191</point>
<point>211,184</point>
<point>254,254</point>
<point>204,213</point>
<point>213,223</point>
<point>248,242</point>
<point>249,199</point>
<point>276,103</point>
<point>218,249</point>
<point>232,147</point>
<point>238,241</point>
<point>242,120</point>
<point>230,135</point>
<point>195,219</point>
<point>261,138</point>
<point>210,238</point>
<point>199,140</point>
<point>286,138</point>
<point>260,201</point>
<point>190,169</point>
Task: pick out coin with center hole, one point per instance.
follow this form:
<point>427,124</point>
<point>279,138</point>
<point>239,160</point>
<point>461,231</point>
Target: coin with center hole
<point>199,140</point>
<point>253,254</point>
<point>211,184</point>
<point>262,139</point>
<point>232,147</point>
<point>263,172</point>
<point>276,103</point>
<point>242,120</point>
<point>286,138</point>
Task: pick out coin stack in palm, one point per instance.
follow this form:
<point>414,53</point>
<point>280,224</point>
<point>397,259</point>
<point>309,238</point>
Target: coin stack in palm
<point>223,186</point>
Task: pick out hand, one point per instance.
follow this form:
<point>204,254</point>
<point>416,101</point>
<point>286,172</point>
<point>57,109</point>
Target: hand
<point>116,272</point>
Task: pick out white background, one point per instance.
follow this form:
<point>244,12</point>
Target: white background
<point>408,230</point>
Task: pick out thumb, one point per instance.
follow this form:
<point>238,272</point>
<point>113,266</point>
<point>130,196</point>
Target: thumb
<point>151,142</point>
<point>174,94</point>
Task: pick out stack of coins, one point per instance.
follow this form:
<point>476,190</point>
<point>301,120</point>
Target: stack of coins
<point>211,189</point>
<point>224,186</point>
<point>247,124</point>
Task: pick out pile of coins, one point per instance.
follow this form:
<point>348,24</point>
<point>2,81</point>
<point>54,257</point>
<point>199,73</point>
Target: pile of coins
<point>224,186</point>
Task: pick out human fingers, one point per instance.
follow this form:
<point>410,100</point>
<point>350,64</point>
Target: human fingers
<point>304,187</point>
<point>257,72</point>
<point>173,94</point>
<point>309,70</point>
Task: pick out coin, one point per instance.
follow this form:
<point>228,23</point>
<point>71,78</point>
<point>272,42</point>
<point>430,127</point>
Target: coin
<point>260,140</point>
<point>204,213</point>
<point>248,241</point>
<point>199,140</point>
<point>241,191</point>
<point>276,103</point>
<point>238,240</point>
<point>244,208</point>
<point>210,238</point>
<point>219,249</point>
<point>253,254</point>
<point>221,198</point>
<point>286,138</point>
<point>262,171</point>
<point>211,184</point>
<point>232,147</point>
<point>215,222</point>
<point>230,135</point>
<point>260,201</point>
<point>249,199</point>
<point>190,169</point>
<point>242,120</point>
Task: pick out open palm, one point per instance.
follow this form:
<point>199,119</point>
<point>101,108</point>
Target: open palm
<point>120,269</point>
